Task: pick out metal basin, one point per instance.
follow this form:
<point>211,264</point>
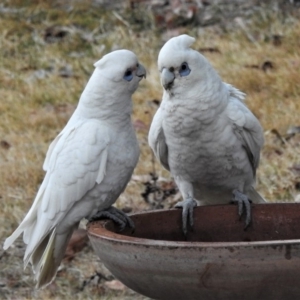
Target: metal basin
<point>218,260</point>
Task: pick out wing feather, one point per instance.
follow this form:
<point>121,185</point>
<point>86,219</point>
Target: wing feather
<point>157,140</point>
<point>70,175</point>
<point>248,129</point>
<point>78,163</point>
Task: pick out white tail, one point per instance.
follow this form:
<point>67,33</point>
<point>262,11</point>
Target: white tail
<point>47,257</point>
<point>255,196</point>
<point>45,248</point>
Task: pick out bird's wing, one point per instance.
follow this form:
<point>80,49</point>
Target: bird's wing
<point>71,124</point>
<point>76,164</point>
<point>157,141</point>
<point>247,128</point>
<point>235,93</point>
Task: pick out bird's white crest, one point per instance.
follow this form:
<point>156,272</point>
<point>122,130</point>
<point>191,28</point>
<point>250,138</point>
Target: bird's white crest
<point>180,42</point>
<point>128,58</point>
<point>110,63</point>
<point>175,44</point>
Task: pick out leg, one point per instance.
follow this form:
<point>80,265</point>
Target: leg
<point>115,215</point>
<point>243,205</point>
<point>188,203</point>
<point>187,206</point>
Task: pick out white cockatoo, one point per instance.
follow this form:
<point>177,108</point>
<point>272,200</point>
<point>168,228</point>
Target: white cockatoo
<point>203,133</point>
<point>88,165</point>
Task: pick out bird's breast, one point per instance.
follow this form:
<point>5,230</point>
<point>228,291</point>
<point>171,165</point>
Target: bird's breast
<point>206,153</point>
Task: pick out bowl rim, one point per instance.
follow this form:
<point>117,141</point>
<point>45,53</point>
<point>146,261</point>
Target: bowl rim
<point>101,232</point>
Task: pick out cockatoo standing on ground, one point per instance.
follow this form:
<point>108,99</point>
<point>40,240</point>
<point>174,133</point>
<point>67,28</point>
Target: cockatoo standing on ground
<point>203,133</point>
<point>88,165</point>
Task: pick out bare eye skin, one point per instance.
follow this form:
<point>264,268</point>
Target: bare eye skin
<point>128,75</point>
<point>184,69</point>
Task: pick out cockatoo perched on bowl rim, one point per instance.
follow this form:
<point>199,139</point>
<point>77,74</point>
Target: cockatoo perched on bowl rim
<point>88,165</point>
<point>203,133</point>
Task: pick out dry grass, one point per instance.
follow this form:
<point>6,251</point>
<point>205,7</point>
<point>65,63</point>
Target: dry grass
<point>36,101</point>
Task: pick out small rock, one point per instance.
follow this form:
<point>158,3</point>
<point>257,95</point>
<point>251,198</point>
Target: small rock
<point>5,145</point>
<point>115,285</point>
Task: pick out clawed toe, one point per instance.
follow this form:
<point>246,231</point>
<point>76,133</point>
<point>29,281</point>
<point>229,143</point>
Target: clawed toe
<point>243,205</point>
<point>187,206</point>
<point>116,215</point>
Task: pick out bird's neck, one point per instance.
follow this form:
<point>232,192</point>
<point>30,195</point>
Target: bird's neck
<point>203,103</point>
<point>101,106</point>
<point>103,99</point>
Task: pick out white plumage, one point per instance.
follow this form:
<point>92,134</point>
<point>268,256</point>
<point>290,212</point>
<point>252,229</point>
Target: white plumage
<point>203,133</point>
<point>87,166</point>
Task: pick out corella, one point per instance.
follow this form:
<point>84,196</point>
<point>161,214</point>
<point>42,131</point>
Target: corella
<point>88,165</point>
<point>203,133</point>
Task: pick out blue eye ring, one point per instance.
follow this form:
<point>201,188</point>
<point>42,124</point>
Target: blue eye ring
<point>184,69</point>
<point>128,75</point>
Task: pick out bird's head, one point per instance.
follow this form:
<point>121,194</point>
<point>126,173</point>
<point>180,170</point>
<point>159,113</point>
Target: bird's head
<point>114,80</point>
<point>121,67</point>
<point>183,69</point>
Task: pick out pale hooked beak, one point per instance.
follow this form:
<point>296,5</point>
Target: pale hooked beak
<point>141,71</point>
<point>167,78</point>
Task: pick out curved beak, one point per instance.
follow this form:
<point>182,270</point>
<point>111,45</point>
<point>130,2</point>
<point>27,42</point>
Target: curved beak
<point>167,78</point>
<point>141,71</point>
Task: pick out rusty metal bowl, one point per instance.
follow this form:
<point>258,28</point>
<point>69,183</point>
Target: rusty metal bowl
<point>219,259</point>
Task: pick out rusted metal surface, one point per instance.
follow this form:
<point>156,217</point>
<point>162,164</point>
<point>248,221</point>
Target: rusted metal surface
<point>219,259</point>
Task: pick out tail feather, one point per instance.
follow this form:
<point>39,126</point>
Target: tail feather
<point>255,196</point>
<point>44,265</point>
<point>39,233</point>
<point>47,257</point>
<point>28,224</point>
<point>37,255</point>
<point>45,247</point>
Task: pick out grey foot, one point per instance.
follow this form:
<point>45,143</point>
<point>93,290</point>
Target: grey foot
<point>115,215</point>
<point>243,205</point>
<point>187,206</point>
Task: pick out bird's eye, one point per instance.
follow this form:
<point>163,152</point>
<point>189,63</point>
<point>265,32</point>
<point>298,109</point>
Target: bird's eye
<point>184,70</point>
<point>128,75</point>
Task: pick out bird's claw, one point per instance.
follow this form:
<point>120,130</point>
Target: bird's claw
<point>243,205</point>
<point>115,215</point>
<point>187,206</point>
